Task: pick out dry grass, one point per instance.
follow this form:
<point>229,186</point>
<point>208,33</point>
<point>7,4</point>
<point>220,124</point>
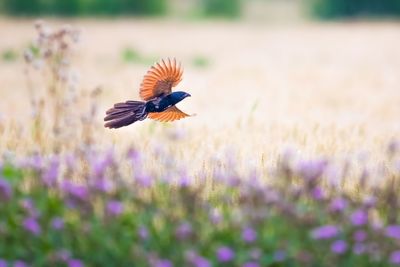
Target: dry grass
<point>330,89</point>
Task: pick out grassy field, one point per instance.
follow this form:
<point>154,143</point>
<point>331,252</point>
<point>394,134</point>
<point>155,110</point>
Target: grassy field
<point>329,89</point>
<point>290,160</point>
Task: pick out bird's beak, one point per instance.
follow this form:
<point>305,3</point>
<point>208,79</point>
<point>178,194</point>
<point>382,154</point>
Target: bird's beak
<point>187,95</point>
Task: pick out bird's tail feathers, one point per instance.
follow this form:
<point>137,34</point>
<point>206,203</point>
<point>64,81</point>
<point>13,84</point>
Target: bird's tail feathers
<point>123,114</point>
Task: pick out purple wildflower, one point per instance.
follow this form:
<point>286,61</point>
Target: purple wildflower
<point>103,185</point>
<point>201,262</point>
<point>63,255</point>
<point>359,218</point>
<point>393,147</point>
<point>74,263</point>
<point>279,255</point>
<point>338,204</point>
<point>395,257</point>
<point>29,206</point>
<point>97,169</point>
<point>369,202</point>
<point>115,207</point>
<point>249,235</point>
<point>324,232</point>
<point>339,247</point>
<point>5,190</point>
<point>312,169</point>
<point>31,225</point>
<point>251,264</point>
<point>184,230</point>
<point>215,216</point>
<point>57,223</point>
<point>70,161</point>
<point>184,180</point>
<point>78,191</point>
<point>19,263</point>
<point>360,236</point>
<point>143,179</point>
<point>393,231</point>
<point>233,181</point>
<point>3,263</point>
<point>109,157</point>
<point>49,177</point>
<point>143,233</point>
<point>225,254</point>
<point>197,260</point>
<point>134,156</point>
<point>359,248</point>
<point>317,193</point>
<point>99,166</point>
<point>36,162</point>
<point>163,263</point>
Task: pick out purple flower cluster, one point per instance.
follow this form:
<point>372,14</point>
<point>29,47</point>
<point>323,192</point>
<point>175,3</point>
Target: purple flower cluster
<point>312,169</point>
<point>249,235</point>
<point>359,217</point>
<point>115,208</point>
<point>5,190</point>
<point>325,232</point>
<point>196,260</point>
<point>184,230</point>
<point>57,223</point>
<point>393,231</point>
<point>77,191</point>
<point>339,247</point>
<point>225,254</point>
<point>32,226</point>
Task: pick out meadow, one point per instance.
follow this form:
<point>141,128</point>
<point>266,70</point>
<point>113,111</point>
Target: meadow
<point>291,158</point>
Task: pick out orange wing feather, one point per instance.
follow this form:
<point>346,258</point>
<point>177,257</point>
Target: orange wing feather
<point>160,79</point>
<point>170,114</point>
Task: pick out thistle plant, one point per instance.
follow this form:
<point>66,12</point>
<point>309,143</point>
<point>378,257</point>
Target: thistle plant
<point>48,66</point>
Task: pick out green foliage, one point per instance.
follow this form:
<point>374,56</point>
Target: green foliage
<point>346,8</point>
<point>20,7</point>
<point>201,61</point>
<point>65,7</point>
<point>10,173</point>
<point>130,55</point>
<point>9,55</point>
<point>149,7</point>
<point>84,7</point>
<point>34,50</point>
<point>222,8</point>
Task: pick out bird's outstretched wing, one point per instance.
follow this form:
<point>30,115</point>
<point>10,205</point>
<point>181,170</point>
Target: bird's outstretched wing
<point>171,114</point>
<point>160,79</point>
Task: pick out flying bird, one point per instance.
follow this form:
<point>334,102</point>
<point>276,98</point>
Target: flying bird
<point>158,99</point>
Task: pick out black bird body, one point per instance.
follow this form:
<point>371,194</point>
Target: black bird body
<point>158,99</point>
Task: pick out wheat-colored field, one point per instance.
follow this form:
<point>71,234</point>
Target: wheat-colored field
<point>326,89</point>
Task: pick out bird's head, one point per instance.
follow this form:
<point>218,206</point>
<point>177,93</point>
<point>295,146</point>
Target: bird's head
<point>179,95</point>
